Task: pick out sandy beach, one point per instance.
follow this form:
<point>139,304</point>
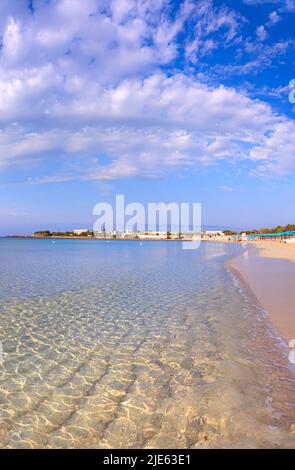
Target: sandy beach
<point>276,249</point>
<point>268,269</point>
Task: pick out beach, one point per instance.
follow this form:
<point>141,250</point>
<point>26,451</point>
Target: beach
<point>276,249</point>
<point>268,269</point>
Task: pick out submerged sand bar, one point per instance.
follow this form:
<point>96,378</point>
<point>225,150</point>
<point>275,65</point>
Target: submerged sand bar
<point>269,270</point>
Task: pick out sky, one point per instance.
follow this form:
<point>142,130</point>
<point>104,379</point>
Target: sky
<point>159,100</point>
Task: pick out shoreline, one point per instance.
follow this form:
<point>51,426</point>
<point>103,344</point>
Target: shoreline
<point>29,237</point>
<point>267,270</point>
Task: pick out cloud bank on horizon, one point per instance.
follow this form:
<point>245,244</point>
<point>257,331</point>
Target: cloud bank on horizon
<point>103,90</point>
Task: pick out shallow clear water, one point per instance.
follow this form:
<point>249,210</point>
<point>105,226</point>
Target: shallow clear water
<point>123,344</point>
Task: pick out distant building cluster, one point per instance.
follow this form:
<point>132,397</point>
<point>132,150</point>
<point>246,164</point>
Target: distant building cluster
<point>81,232</point>
<point>131,235</point>
<point>284,234</point>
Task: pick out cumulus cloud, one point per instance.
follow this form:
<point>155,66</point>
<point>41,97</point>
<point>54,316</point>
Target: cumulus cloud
<point>86,87</point>
<point>276,154</point>
<point>261,33</point>
<point>147,126</point>
<point>273,19</point>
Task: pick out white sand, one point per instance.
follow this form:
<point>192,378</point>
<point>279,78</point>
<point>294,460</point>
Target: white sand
<point>268,268</point>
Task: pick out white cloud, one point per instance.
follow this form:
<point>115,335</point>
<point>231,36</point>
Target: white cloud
<point>261,33</point>
<point>81,89</point>
<point>227,189</point>
<point>284,5</point>
<point>273,19</point>
<point>276,154</point>
<point>289,6</point>
<point>210,20</point>
<point>262,56</point>
<point>146,127</point>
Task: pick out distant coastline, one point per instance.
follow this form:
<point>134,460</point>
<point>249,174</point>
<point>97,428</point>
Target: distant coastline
<point>157,235</point>
<point>76,237</point>
<point>279,233</point>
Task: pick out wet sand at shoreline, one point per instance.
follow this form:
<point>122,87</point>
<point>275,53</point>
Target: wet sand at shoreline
<point>268,268</point>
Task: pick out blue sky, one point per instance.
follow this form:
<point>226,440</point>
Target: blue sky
<point>161,100</point>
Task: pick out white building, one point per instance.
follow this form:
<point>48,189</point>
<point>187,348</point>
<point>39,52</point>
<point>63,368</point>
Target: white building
<point>80,231</point>
<point>213,233</point>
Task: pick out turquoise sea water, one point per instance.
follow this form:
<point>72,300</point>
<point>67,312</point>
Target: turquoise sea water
<point>136,344</point>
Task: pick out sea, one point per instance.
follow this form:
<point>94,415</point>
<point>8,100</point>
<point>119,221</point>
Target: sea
<point>137,344</point>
